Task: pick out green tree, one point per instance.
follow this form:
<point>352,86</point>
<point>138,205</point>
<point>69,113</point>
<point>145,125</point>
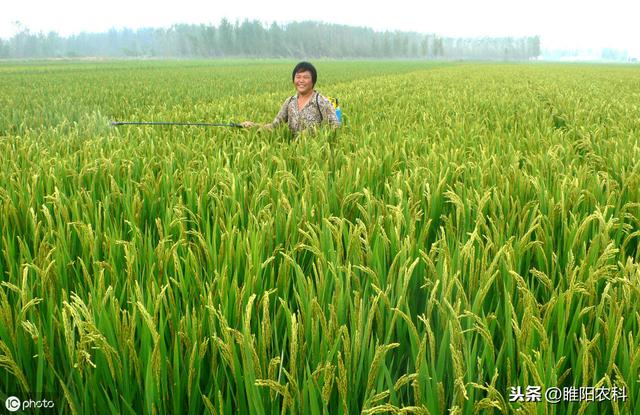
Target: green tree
<point>227,37</point>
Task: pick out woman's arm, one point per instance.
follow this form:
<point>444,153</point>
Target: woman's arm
<point>283,115</point>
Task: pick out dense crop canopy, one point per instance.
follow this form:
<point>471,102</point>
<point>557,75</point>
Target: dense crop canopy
<point>471,228</point>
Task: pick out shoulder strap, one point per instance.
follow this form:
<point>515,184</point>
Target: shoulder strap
<point>318,106</point>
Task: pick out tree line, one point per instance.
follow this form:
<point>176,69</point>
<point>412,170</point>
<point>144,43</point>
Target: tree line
<point>253,39</point>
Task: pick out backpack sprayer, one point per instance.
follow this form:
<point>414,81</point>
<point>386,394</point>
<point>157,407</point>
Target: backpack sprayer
<point>336,107</point>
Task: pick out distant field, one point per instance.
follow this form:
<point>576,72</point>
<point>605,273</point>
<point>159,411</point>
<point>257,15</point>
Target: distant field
<point>471,231</point>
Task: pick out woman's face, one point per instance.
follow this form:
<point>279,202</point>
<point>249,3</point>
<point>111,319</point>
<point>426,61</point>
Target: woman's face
<point>303,82</point>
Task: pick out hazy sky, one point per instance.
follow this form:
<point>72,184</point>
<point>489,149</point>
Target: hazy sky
<point>561,24</point>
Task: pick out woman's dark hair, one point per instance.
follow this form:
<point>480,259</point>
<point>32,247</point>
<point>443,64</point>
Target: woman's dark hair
<point>303,67</point>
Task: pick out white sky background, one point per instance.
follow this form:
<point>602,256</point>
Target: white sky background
<point>562,24</point>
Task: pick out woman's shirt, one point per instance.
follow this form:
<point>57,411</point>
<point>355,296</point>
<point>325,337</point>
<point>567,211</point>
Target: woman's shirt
<point>317,110</point>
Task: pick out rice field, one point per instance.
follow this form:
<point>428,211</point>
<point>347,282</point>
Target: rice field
<point>470,233</point>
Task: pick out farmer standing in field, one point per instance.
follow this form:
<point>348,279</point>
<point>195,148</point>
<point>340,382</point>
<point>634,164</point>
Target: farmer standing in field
<point>305,109</point>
